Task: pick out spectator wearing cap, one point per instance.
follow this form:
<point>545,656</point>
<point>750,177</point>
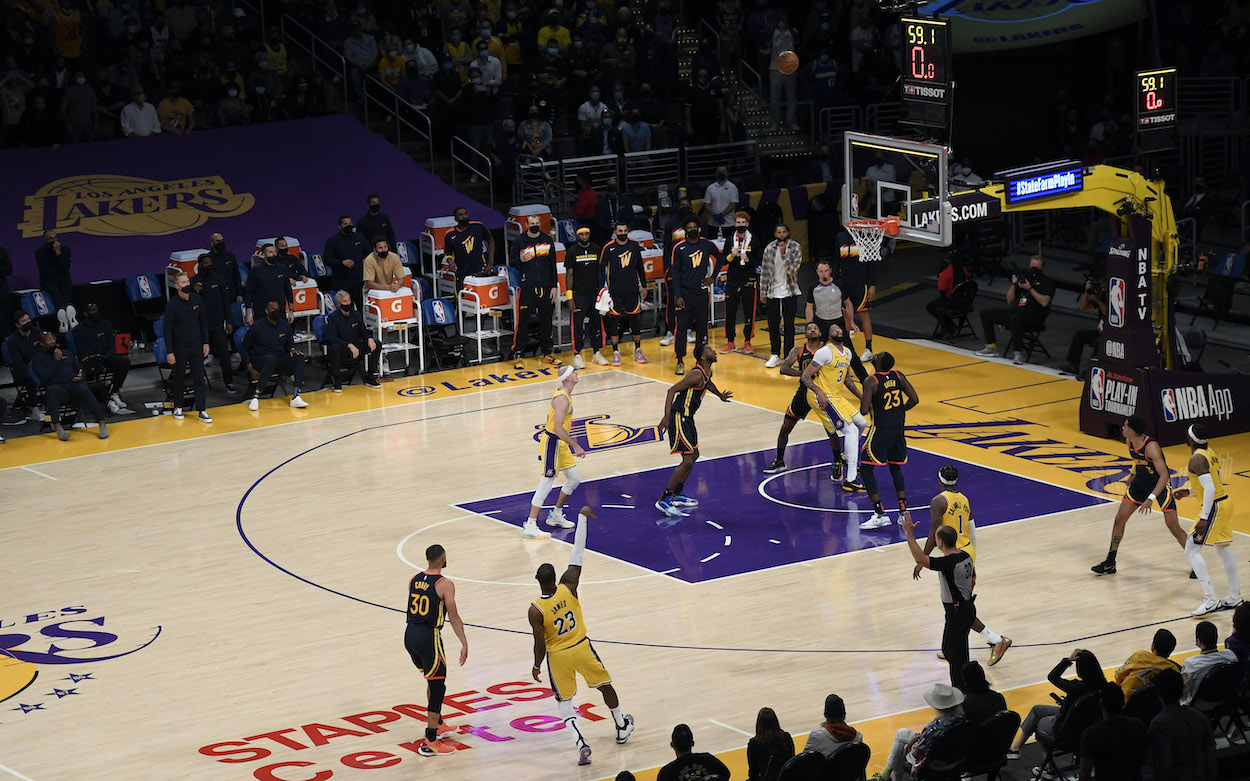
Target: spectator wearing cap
<point>913,747</point>
<point>834,734</point>
<point>376,222</point>
<point>690,766</point>
<point>61,375</point>
<point>211,286</point>
<point>94,337</point>
<point>346,333</point>
<point>268,348</point>
<point>769,749</point>
<point>139,117</point>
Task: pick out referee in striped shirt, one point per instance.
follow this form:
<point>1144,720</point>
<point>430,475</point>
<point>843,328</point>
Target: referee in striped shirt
<point>957,578</point>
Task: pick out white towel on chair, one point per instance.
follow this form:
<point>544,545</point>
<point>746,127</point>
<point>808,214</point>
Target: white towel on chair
<point>603,302</point>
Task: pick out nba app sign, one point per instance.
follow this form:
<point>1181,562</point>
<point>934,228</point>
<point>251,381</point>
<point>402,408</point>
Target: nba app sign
<point>1111,392</point>
<point>113,205</point>
<point>1196,402</point>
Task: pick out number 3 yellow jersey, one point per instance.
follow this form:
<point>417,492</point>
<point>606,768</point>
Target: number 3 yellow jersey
<point>562,619</point>
<point>958,516</point>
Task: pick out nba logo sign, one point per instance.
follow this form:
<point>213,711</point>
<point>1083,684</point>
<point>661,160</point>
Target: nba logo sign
<point>1115,314</point>
<point>145,288</point>
<point>1169,405</point>
<point>1097,387</point>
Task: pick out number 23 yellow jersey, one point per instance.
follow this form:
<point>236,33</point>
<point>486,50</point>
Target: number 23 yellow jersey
<point>562,619</point>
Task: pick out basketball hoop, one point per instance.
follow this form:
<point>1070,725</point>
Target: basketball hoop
<point>869,233</point>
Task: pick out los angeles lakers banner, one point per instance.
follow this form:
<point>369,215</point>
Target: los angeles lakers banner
<point>123,206</point>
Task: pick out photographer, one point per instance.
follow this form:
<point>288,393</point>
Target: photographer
<point>1094,296</point>
<point>1029,302</point>
<point>953,274</point>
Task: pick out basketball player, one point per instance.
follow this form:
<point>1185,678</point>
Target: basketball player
<point>680,405</point>
<point>951,509</point>
<point>621,264</point>
<point>958,579</point>
<point>859,287</point>
<point>824,377</point>
<point>556,450</point>
<point>888,394</point>
<point>798,359</point>
<point>560,636</point>
<point>1214,526</point>
<point>1149,485</point>
<point>431,599</point>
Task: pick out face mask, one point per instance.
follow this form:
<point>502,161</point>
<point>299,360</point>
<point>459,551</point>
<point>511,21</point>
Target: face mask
<point>1198,189</point>
<point>80,80</point>
<point>24,328</point>
<point>374,208</point>
<point>824,59</point>
<point>383,253</point>
<point>205,268</point>
<point>590,5</point>
<point>577,44</point>
<point>455,37</point>
<point>447,66</point>
<point>741,229</point>
<point>824,27</point>
<point>140,97</point>
<point>553,51</point>
<point>692,234</point>
<point>260,90</point>
<point>130,28</point>
<point>607,121</point>
<point>234,93</point>
<point>722,178</point>
<point>263,65</point>
<point>620,96</point>
<point>410,48</point>
<point>622,42</point>
<point>594,97</point>
<point>349,230</point>
<point>273,317</point>
<point>303,88</point>
<point>462,221</point>
<point>823,156</point>
<point>622,237</point>
<point>511,14</point>
<point>283,252</point>
<point>219,246</point>
<point>345,308</point>
<point>485,32</point>
<point>475,80</point>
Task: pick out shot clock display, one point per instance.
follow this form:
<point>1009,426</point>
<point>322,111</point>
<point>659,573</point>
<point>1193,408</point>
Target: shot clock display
<point>1156,99</point>
<point>926,86</point>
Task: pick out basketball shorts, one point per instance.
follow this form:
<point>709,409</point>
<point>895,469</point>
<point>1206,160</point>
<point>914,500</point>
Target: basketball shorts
<point>554,453</point>
<point>425,646</point>
<point>626,304</point>
<point>1219,526</point>
<point>565,665</point>
<point>799,407</point>
<point>858,296</point>
<point>883,446</point>
<point>683,437</point>
<point>837,414</point>
<point>1139,490</point>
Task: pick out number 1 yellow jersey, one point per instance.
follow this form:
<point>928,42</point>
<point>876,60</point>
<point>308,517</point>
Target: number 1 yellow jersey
<point>562,619</point>
<point>958,516</point>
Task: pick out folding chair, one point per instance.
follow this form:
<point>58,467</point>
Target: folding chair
<point>1032,340</point>
<point>320,271</point>
<point>95,370</point>
<point>1086,710</point>
<point>807,766</point>
<point>276,383</point>
<point>147,300</point>
<point>1217,299</point>
<point>38,304</point>
<point>348,369</point>
<point>438,318</point>
<point>1218,699</point>
<point>848,764</point>
<point>989,747</point>
<point>947,754</point>
<point>958,310</point>
<point>27,397</point>
<point>1144,705</point>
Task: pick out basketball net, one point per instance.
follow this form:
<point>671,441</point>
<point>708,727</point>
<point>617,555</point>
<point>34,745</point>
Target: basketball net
<point>868,234</point>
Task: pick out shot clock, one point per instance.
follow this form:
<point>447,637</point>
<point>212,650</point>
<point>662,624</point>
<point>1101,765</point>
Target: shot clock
<point>927,89</point>
<point>1156,109</point>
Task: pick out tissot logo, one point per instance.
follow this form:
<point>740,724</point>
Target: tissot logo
<point>113,205</point>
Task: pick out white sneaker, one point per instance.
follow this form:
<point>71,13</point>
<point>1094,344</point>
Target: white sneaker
<point>117,399</point>
<point>623,733</point>
<point>666,340</point>
<point>1207,606</point>
<point>866,355</point>
<point>987,352</point>
<point>578,363</point>
<point>36,414</point>
<point>530,531</point>
<point>556,518</point>
<point>876,521</point>
<point>205,417</point>
<point>254,404</point>
<point>598,359</point>
<point>72,315</point>
<point>689,336</point>
<point>177,413</point>
<point>773,361</point>
<point>112,406</point>
<point>1017,358</point>
<point>298,403</point>
<point>1230,602</point>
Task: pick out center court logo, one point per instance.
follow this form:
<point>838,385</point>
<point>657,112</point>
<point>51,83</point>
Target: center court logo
<point>593,434</point>
<point>114,205</point>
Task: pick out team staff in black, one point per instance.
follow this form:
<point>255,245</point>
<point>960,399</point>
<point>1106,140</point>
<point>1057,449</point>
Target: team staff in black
<point>211,286</point>
<point>186,344</point>
<point>674,233</point>
<point>6,300</point>
<point>742,256</point>
<point>375,222</point>
<point>693,260</point>
<point>95,340</point>
<point>268,281</point>
<point>23,343</point>
<point>957,579</point>
<point>888,394</point>
<point>53,260</point>
<point>346,333</point>
<point>534,253</point>
<point>295,270</point>
<point>227,266</point>
<point>269,347</point>
<point>794,365</point>
<point>431,600</point>
<point>469,248</point>
<point>345,252</point>
<point>858,281</point>
<point>61,375</point>
<point>583,279</point>
<point>626,279</point>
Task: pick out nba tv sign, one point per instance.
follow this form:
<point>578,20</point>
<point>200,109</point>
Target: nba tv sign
<point>1112,392</point>
<point>1196,402</point>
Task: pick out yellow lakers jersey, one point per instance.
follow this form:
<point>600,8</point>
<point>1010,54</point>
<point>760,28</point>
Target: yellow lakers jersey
<point>1213,463</point>
<point>551,412</point>
<point>958,516</point>
<point>831,377</point>
<point>562,619</point>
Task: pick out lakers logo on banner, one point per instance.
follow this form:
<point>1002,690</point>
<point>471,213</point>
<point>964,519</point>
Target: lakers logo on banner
<point>114,205</point>
<point>594,433</point>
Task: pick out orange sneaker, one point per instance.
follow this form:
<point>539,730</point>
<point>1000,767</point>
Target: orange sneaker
<point>439,748</point>
<point>747,348</point>
<point>728,348</point>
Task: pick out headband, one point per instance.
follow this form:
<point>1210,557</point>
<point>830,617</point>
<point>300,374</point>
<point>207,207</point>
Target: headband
<point>1195,437</point>
<point>565,372</point>
<point>943,480</point>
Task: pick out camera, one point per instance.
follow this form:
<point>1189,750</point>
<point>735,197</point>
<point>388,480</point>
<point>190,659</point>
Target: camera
<point>1031,275</point>
<point>1095,288</point>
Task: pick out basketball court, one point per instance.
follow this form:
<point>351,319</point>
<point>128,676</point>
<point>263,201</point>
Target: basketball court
<point>226,602</point>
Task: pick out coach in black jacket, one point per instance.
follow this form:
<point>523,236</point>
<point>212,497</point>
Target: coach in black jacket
<point>186,344</point>
<point>211,286</point>
<point>269,347</point>
<point>346,333</point>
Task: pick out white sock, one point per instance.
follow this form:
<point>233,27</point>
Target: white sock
<point>990,636</point>
<point>850,450</point>
<point>1225,552</point>
<point>1193,552</point>
<point>617,718</point>
<point>570,719</point>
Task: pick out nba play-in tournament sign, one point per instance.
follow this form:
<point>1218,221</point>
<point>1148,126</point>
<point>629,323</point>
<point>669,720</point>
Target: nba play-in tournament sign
<point>116,205</point>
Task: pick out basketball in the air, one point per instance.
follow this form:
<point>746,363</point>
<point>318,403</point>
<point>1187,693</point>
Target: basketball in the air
<point>787,62</point>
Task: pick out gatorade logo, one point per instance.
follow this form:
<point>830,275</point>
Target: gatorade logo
<point>301,297</point>
<point>397,305</point>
